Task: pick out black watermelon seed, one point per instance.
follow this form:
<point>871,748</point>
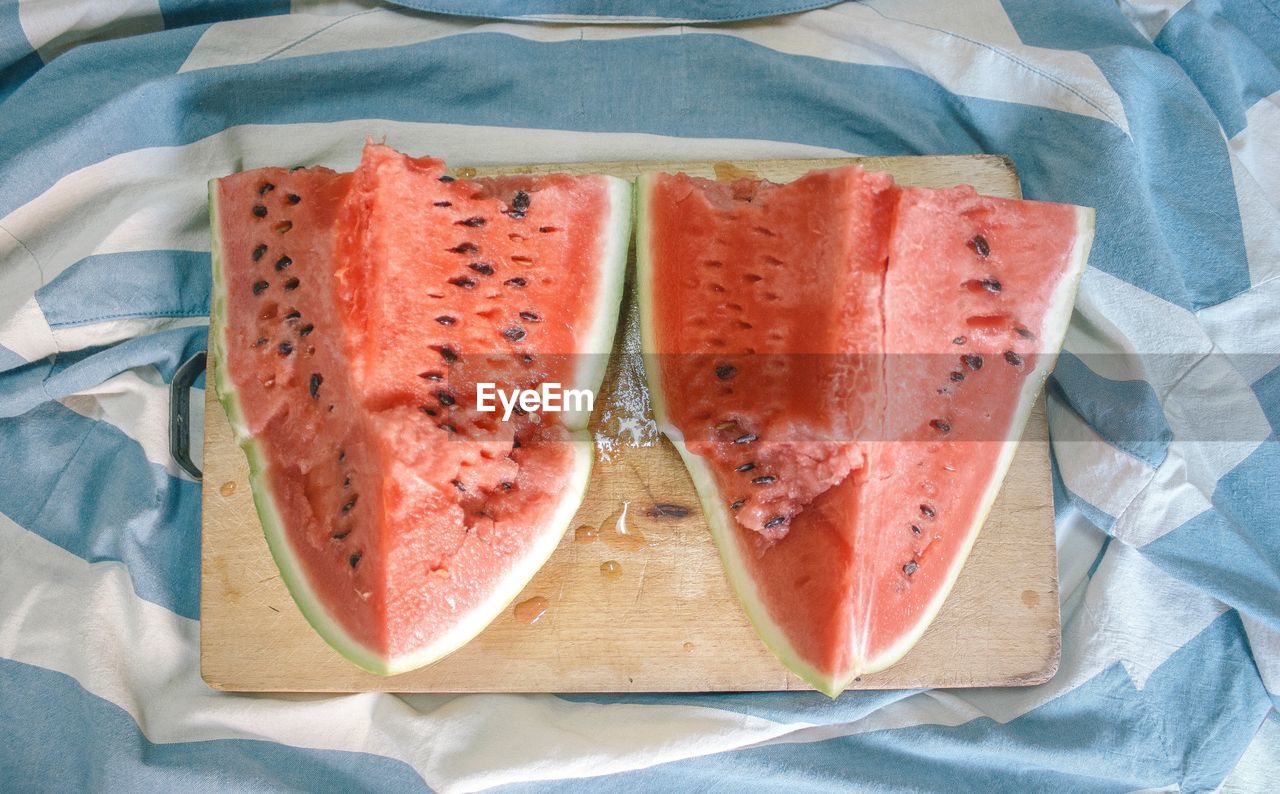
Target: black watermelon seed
<point>483,268</point>
<point>428,410</point>
<point>259,211</point>
<point>745,467</point>
<point>773,522</point>
<point>528,359</point>
<point>316,380</point>
<point>518,411</point>
<point>463,281</point>
<point>506,486</point>
<point>262,340</point>
<point>293,315</point>
<point>291,284</point>
<point>746,438</point>
<point>354,559</point>
<point>458,484</point>
<point>265,188</point>
<point>259,286</point>
<point>445,319</point>
<point>1024,333</point>
<point>1013,358</point>
<point>940,425</point>
<point>430,375</point>
<point>515,333</point>
<point>342,455</point>
<point>990,285</point>
<point>464,248</point>
<point>283,262</point>
<point>737,503</point>
<point>959,340</point>
<point>292,198</point>
<point>259,250</point>
<point>957,376</point>
<point>443,203</point>
<point>448,428</point>
<point>530,317</point>
<point>972,360</point>
<point>927,511</point>
<point>474,221</point>
<point>915,529</point>
<point>346,481</point>
<point>285,348</point>
<point>349,504</point>
<point>306,330</point>
<point>340,535</point>
<point>910,568</point>
<point>448,354</point>
<point>515,282</point>
<point>725,371</point>
<point>519,204</point>
<point>979,246</point>
<point>764,479</point>
<point>446,178</point>
<point>445,398</point>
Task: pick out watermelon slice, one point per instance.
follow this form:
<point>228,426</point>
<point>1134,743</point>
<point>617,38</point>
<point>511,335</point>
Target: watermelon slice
<point>845,366</point>
<point>353,315</point>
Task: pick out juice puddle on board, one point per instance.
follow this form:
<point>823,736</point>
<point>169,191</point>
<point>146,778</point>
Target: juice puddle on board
<point>531,611</point>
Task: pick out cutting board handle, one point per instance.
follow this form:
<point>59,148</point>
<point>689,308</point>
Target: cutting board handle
<point>180,413</point>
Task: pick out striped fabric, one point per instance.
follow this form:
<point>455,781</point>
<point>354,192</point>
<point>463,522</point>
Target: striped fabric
<point>1162,114</point>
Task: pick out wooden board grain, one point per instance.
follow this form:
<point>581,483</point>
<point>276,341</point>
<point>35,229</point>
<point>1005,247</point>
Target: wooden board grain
<point>667,622</point>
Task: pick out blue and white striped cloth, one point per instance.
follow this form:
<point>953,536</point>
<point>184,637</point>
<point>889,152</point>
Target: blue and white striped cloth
<point>1162,114</point>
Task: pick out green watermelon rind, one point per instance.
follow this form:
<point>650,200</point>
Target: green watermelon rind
<point>589,375</point>
<point>722,524</point>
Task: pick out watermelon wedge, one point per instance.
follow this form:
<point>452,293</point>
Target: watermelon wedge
<point>845,367</point>
<point>353,315</point>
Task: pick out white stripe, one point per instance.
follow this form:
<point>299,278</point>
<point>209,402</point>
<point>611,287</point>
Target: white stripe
<point>1105,476</point>
<point>1150,16</point>
<point>1247,327</point>
<point>145,659</point>
<point>54,26</point>
<point>1259,768</point>
<point>1257,146</point>
<point>136,402</point>
<point>156,198</point>
<point>850,33</point>
<point>1215,417</point>
<point>23,329</point>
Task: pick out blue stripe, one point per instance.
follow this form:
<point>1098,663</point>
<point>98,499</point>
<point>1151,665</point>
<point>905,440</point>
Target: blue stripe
<point>25,387</point>
<point>9,359</point>
<point>1267,390</point>
<point>134,284</point>
<point>87,487</point>
<point>184,13</point>
<point>738,89</point>
<point>1193,254</point>
<point>18,59</point>
<point>1186,727</point>
<point>64,738</point>
<point>704,10</point>
<point>1127,414</point>
<point>1230,51</point>
<point>1233,550</point>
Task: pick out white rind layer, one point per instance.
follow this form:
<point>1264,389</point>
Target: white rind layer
<point>612,267</point>
<point>722,524</point>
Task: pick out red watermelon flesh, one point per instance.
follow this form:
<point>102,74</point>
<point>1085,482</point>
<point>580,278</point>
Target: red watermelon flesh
<point>971,300</point>
<point>353,315</point>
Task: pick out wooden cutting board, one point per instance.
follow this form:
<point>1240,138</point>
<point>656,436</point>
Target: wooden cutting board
<point>661,617</point>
